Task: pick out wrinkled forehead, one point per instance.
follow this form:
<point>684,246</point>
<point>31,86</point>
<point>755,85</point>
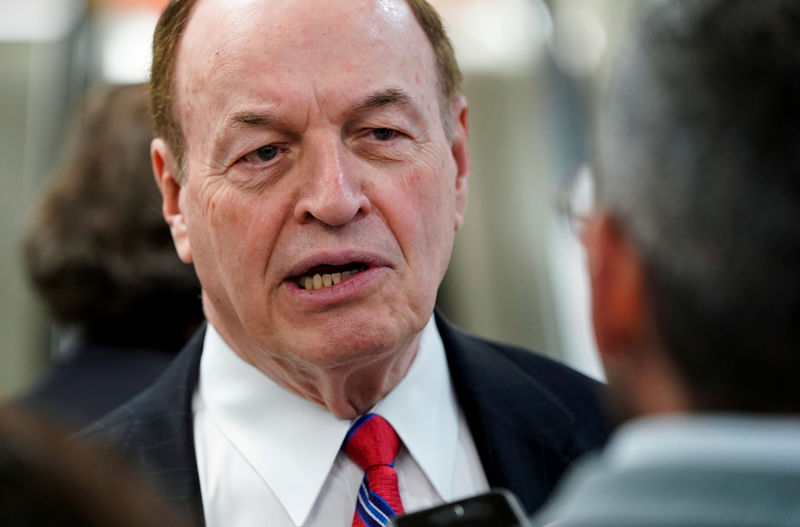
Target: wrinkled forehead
<point>316,38</point>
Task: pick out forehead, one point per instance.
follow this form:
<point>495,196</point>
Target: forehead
<point>257,49</point>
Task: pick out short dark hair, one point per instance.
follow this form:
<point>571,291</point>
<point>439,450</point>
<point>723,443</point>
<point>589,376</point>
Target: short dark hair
<point>99,251</point>
<point>699,161</point>
<point>175,18</point>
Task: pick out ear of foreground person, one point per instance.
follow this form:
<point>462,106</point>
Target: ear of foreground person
<point>313,163</point>
<point>694,256</point>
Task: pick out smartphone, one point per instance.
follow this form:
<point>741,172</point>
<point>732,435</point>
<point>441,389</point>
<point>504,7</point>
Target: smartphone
<point>497,508</point>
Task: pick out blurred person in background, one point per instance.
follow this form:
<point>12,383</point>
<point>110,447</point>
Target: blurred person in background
<point>101,258</point>
<point>694,257</point>
<point>46,481</point>
<point>314,165</point>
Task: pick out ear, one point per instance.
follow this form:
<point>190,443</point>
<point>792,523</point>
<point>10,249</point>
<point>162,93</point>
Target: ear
<point>460,151</point>
<point>618,290</point>
<point>166,172</point>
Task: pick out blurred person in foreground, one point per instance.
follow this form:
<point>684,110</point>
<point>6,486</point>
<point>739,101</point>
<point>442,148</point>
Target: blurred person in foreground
<point>694,256</point>
<point>46,481</point>
<point>313,161</point>
<point>102,259</point>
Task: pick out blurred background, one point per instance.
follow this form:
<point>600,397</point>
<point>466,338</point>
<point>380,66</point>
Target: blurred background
<point>530,67</point>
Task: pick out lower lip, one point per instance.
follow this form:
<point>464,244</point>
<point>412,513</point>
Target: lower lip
<point>347,290</point>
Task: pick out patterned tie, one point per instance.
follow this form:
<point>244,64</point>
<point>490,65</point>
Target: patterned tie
<point>372,443</point>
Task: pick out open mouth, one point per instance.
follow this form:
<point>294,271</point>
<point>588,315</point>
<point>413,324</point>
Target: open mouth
<point>323,276</point>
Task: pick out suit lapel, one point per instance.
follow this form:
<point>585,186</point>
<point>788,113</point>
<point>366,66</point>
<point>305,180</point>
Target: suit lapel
<point>162,439</point>
<point>519,427</point>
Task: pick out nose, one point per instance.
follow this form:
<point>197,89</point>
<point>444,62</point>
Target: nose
<point>333,192</point>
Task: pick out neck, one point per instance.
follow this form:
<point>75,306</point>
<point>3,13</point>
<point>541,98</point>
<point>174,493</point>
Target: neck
<point>346,388</point>
<point>351,390</point>
<point>647,387</point>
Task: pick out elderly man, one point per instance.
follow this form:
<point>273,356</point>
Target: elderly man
<point>313,162</point>
<point>695,265</point>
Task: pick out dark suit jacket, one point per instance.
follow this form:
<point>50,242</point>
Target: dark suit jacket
<point>529,416</point>
<point>92,381</point>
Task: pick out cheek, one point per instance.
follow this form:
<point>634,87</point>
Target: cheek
<point>421,207</point>
<point>238,232</point>
<point>223,214</point>
<point>435,202</point>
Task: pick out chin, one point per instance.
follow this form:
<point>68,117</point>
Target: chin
<point>352,343</point>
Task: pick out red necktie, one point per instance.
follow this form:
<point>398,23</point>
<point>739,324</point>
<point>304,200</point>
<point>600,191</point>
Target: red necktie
<point>372,443</point>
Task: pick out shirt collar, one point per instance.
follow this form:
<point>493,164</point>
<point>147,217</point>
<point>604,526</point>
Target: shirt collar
<point>292,443</point>
<point>423,411</point>
<point>707,440</point>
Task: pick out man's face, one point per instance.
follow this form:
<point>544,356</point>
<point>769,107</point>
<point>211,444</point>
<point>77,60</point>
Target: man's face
<point>315,146</point>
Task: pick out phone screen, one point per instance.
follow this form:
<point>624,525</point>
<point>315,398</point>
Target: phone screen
<point>497,508</point>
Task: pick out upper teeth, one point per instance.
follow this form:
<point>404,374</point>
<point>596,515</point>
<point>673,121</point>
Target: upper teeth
<point>318,281</point>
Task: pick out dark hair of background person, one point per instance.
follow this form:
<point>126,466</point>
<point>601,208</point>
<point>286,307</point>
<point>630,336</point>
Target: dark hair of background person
<point>699,162</point>
<point>47,481</point>
<point>100,255</point>
<point>174,20</point>
<point>99,252</point>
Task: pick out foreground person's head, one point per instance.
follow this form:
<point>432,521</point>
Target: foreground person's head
<point>695,249</point>
<point>48,481</point>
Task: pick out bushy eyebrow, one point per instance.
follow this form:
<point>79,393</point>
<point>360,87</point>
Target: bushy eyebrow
<point>388,97</point>
<point>373,101</point>
<point>245,119</point>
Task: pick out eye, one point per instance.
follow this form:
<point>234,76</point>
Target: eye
<point>263,154</point>
<point>384,134</point>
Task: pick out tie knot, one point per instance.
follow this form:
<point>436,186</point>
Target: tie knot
<point>371,441</point>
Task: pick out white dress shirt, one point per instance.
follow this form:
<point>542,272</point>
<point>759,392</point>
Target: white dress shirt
<point>266,456</point>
